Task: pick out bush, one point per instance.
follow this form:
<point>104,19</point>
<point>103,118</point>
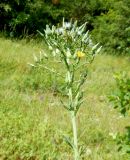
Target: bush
<point>26,16</point>
<point>121,101</point>
<point>112,29</point>
<point>107,20</point>
<point>121,97</point>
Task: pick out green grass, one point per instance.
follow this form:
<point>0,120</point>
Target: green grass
<point>32,120</point>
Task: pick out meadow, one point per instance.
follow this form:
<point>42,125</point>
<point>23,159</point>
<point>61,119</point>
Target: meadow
<point>33,122</point>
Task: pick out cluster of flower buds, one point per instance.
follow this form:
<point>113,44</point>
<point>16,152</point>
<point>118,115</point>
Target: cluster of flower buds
<point>73,46</point>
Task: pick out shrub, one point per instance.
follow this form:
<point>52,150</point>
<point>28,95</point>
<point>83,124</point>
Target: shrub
<point>112,29</point>
<point>121,97</point>
<point>121,101</point>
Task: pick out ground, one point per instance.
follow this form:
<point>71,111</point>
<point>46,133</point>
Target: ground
<point>33,122</point>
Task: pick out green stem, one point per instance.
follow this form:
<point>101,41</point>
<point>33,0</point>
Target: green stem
<point>75,140</point>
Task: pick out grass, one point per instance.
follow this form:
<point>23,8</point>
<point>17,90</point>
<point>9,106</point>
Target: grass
<point>32,120</point>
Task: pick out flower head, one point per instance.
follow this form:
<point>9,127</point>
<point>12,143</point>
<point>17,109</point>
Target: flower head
<point>80,54</point>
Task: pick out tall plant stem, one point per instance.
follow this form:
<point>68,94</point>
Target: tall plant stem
<point>75,140</point>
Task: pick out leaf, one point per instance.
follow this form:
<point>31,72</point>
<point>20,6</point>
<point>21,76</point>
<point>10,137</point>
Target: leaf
<point>64,105</point>
<point>40,33</point>
<point>68,141</point>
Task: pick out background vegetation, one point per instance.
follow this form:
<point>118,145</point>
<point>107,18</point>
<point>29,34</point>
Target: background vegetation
<point>32,126</point>
<point>108,20</point>
<point>31,117</point>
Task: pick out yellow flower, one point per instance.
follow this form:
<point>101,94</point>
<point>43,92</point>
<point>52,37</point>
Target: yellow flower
<point>80,54</point>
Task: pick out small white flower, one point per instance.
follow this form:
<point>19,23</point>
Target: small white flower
<point>79,32</point>
<point>67,25</point>
<point>57,51</point>
<point>48,30</point>
<point>50,47</point>
<point>60,30</point>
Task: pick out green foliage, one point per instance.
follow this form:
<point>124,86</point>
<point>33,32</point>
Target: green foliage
<point>25,17</point>
<point>121,101</point>
<point>112,29</point>
<point>124,141</point>
<point>121,98</point>
<point>31,128</point>
<point>108,20</point>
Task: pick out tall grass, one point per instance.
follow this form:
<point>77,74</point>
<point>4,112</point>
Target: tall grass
<point>30,114</point>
